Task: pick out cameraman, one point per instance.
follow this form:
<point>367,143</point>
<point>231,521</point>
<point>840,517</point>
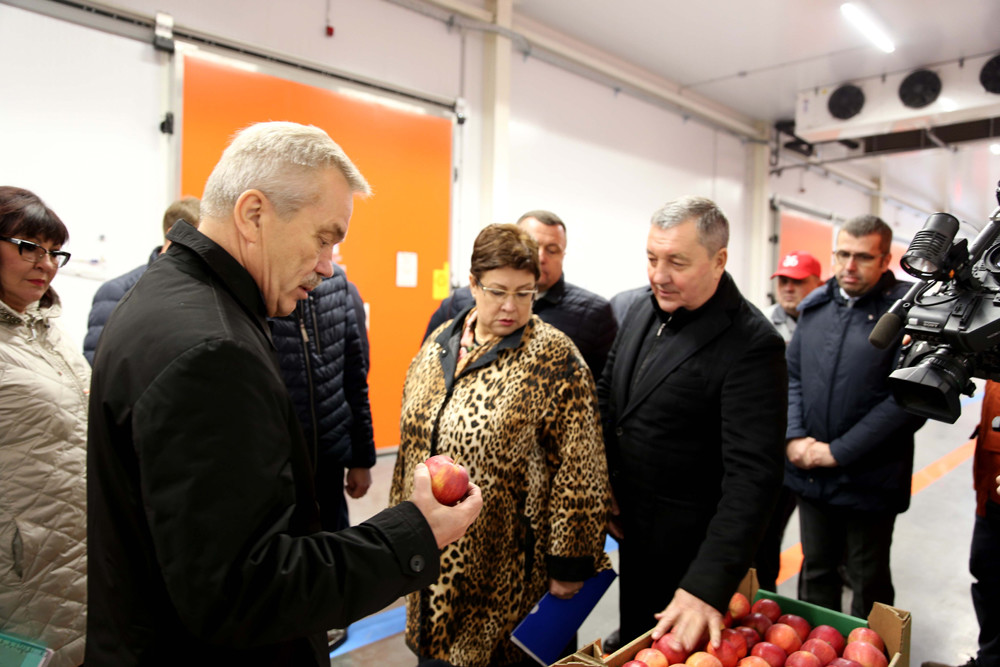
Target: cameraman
<point>849,445</point>
<point>985,549</point>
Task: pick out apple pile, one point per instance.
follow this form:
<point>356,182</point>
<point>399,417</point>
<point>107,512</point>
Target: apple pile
<point>449,480</point>
<point>766,637</point>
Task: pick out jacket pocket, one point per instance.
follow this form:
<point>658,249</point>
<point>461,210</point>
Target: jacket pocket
<point>12,557</point>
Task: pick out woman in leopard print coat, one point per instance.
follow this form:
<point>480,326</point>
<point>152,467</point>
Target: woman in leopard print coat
<point>510,398</point>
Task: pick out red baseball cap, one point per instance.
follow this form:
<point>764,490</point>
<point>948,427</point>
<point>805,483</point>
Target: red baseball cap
<point>798,265</point>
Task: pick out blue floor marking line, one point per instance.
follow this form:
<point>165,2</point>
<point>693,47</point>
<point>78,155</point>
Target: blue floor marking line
<point>372,629</point>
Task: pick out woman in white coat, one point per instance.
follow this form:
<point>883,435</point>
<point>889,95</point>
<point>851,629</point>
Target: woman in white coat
<point>44,382</point>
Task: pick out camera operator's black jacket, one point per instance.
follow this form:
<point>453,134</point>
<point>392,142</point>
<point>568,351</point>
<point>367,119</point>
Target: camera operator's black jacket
<point>838,393</point>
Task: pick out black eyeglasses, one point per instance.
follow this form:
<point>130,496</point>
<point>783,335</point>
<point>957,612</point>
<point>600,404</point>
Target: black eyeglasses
<point>32,252</point>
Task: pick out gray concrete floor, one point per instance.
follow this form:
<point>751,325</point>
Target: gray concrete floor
<point>929,560</point>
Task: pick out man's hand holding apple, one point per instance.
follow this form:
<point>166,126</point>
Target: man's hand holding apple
<point>447,522</point>
<point>687,618</point>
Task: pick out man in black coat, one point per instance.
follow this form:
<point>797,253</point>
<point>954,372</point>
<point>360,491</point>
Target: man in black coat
<point>850,445</point>
<point>693,401</point>
<point>205,545</point>
<point>585,317</point>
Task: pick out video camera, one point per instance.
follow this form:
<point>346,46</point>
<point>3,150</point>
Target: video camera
<point>952,315</point>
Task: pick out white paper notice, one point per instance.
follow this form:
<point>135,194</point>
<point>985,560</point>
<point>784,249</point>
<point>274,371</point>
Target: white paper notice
<point>406,269</point>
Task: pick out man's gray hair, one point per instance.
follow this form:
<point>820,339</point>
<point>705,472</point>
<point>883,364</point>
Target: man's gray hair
<point>276,158</point>
<point>863,225</point>
<point>711,223</point>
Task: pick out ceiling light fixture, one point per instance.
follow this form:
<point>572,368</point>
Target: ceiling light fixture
<point>995,149</point>
<point>867,25</point>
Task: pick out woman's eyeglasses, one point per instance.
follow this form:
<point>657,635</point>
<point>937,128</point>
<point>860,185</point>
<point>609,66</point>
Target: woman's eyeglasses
<point>521,298</point>
<point>32,252</point>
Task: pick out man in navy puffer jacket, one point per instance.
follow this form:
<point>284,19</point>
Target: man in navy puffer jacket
<point>849,444</point>
<point>110,293</point>
<point>323,353</point>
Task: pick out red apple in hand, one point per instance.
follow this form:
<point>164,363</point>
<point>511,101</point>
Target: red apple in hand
<point>866,654</point>
<point>449,481</point>
<point>863,634</point>
<point>820,649</point>
<point>830,635</point>
<point>674,656</point>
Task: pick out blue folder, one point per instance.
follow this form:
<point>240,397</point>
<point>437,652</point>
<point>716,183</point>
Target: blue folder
<point>548,628</point>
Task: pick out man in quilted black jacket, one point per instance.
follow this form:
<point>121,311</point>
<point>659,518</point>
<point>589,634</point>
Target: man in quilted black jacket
<point>323,352</point>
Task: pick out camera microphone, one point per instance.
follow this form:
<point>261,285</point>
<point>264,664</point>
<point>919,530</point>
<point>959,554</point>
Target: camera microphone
<point>890,324</point>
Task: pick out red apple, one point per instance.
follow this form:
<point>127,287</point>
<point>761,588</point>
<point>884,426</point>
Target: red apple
<point>702,659</point>
<point>739,605</point>
<point>864,634</point>
<point>768,607</point>
<point>800,624</point>
<point>753,661</point>
<point>820,649</point>
<point>865,653</point>
<point>803,659</point>
<point>775,655</point>
<point>843,662</point>
<point>672,654</point>
<point>449,481</point>
<point>727,620</point>
<point>751,635</point>
<point>635,663</point>
<point>758,622</point>
<point>738,640</point>
<point>830,635</point>
<point>784,636</point>
<point>652,658</point>
<point>725,653</point>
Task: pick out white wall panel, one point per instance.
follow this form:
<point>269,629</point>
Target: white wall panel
<point>604,163</point>
<point>79,126</point>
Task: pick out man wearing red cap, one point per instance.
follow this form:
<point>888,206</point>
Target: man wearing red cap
<point>798,274</point>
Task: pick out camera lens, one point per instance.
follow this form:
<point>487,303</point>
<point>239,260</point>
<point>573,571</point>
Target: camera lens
<point>931,388</point>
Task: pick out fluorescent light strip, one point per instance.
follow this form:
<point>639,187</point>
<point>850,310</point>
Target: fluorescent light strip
<point>866,24</point>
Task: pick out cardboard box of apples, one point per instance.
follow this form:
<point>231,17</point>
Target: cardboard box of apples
<point>769,630</point>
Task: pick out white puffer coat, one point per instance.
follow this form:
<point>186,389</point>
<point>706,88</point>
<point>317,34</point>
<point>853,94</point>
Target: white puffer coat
<point>44,383</point>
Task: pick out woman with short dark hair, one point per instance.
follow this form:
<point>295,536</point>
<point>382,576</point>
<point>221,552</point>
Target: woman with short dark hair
<point>510,398</point>
<point>44,381</point>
